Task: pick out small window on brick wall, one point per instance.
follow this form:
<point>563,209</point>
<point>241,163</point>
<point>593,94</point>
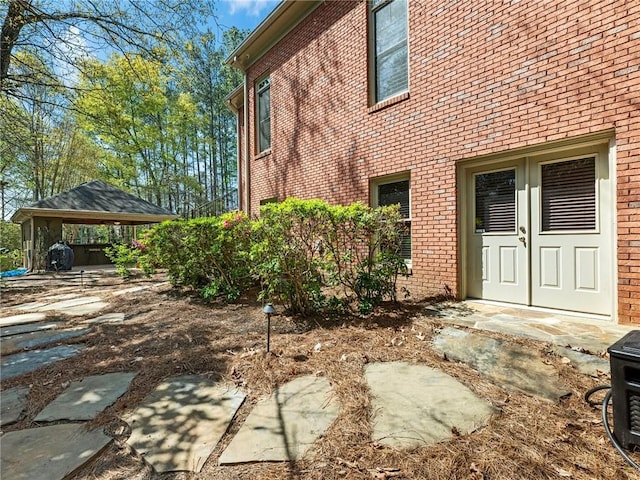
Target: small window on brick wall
<point>266,201</point>
<point>396,191</point>
<point>263,118</point>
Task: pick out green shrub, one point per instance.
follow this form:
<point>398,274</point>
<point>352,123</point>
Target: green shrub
<point>10,235</point>
<point>10,260</point>
<point>362,246</point>
<point>305,247</point>
<point>307,255</point>
<point>164,248</point>
<point>209,253</point>
<point>125,256</point>
<point>10,246</point>
<point>286,254</point>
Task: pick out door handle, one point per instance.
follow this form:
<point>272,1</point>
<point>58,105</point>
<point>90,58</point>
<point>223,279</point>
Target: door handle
<point>523,240</point>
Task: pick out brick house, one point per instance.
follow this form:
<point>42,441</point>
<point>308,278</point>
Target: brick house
<point>509,132</point>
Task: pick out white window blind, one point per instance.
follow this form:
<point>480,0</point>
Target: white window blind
<point>569,195</point>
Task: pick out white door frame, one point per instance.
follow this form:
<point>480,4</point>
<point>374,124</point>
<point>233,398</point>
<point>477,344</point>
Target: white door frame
<point>607,138</point>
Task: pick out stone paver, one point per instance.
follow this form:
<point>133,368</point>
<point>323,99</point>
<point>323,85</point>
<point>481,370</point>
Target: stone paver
<point>286,424</point>
<point>592,334</point>
<point>85,309</point>
<point>585,363</point>
<point>37,339</point>
<point>27,328</point>
<point>505,363</point>
<point>106,318</point>
<point>66,304</point>
<point>25,362</point>
<point>179,424</point>
<point>131,290</point>
<point>84,399</point>
<point>30,305</point>
<point>22,319</point>
<point>65,296</point>
<point>416,405</point>
<point>48,453</point>
<point>12,402</point>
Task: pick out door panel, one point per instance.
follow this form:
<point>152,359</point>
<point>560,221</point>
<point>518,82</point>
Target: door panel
<point>571,237</point>
<point>550,267</point>
<point>509,265</point>
<point>587,263</point>
<point>497,248</point>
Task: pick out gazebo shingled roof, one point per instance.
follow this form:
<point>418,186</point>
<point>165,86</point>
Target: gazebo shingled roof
<point>95,202</point>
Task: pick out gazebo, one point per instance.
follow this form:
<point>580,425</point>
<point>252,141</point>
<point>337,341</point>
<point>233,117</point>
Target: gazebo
<point>90,203</point>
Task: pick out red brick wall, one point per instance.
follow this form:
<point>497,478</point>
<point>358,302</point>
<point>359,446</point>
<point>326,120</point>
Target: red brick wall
<point>485,77</point>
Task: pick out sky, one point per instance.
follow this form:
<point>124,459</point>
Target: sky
<point>244,14</point>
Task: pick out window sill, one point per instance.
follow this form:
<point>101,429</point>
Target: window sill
<point>388,102</point>
<point>260,155</point>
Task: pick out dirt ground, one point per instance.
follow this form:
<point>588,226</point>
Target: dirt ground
<point>169,332</point>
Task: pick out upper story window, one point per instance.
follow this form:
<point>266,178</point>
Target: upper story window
<point>389,48</point>
<point>263,119</point>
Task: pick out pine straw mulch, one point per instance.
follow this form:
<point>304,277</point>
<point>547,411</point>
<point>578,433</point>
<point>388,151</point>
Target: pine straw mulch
<point>169,333</point>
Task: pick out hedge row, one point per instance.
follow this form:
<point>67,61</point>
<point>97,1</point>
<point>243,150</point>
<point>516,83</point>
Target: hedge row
<point>304,254</point>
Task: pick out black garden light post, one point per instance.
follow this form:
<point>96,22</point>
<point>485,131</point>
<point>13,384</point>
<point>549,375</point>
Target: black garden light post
<point>268,310</point>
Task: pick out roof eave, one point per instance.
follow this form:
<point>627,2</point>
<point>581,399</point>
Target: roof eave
<point>235,100</point>
<point>25,213</point>
<point>286,16</point>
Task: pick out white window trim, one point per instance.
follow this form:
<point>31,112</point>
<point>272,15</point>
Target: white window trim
<point>375,183</point>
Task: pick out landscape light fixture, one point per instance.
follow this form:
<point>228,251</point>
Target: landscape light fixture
<point>268,310</point>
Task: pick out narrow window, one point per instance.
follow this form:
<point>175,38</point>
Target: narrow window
<point>398,193</point>
<point>389,48</point>
<point>263,94</point>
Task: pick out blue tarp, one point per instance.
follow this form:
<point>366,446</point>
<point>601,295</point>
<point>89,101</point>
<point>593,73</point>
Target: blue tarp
<point>13,273</point>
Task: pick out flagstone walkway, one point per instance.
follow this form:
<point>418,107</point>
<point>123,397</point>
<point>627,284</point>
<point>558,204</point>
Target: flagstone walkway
<point>178,425</point>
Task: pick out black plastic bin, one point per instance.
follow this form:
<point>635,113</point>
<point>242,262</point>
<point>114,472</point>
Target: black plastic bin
<point>624,358</point>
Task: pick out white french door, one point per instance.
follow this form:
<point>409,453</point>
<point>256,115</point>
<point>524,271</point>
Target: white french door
<point>539,231</point>
<point>497,216</point>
